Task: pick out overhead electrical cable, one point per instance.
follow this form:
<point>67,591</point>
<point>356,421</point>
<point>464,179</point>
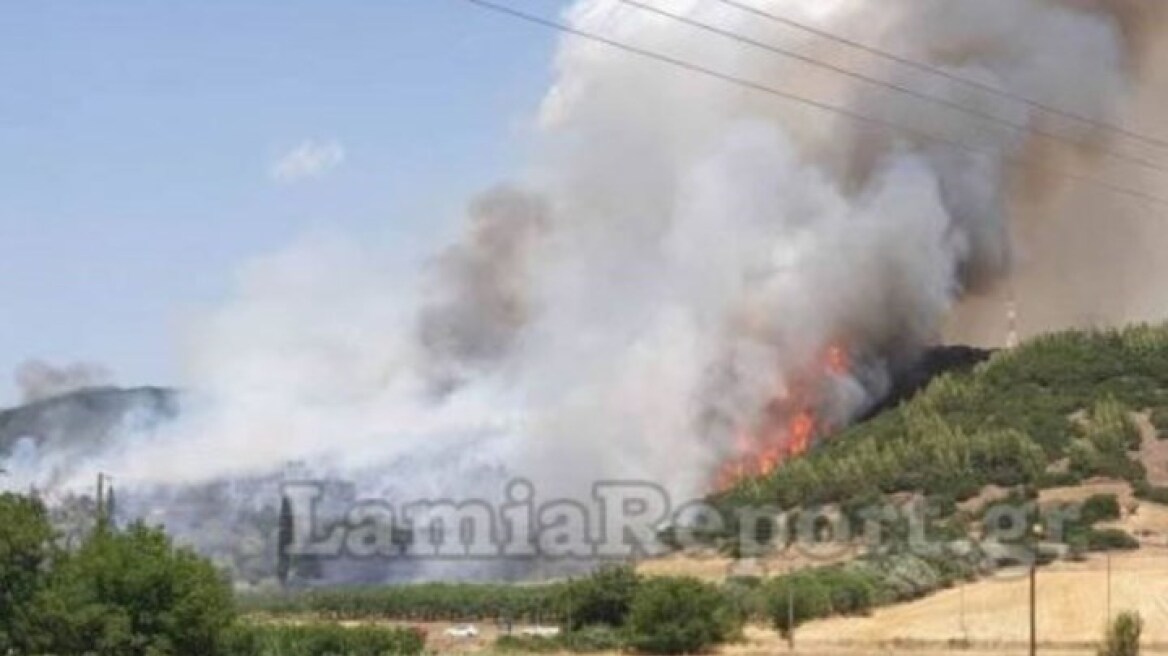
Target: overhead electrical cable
<point>850,114</point>
<point>952,77</point>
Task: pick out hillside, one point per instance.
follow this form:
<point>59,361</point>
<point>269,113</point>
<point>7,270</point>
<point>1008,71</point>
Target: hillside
<point>1056,411</point>
<point>85,418</point>
<point>1066,420</point>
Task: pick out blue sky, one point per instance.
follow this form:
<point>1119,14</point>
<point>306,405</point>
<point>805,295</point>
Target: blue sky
<point>138,140</point>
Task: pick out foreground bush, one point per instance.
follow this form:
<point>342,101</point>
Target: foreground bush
<point>795,599</point>
<point>323,640</point>
<point>24,554</point>
<point>1099,508</point>
<point>679,616</point>
<point>1123,636</point>
<point>603,598</point>
<point>131,594</point>
<point>1111,539</point>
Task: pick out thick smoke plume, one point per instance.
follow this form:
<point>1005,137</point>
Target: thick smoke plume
<point>683,251</point>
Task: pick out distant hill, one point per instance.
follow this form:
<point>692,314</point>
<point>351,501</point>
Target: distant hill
<point>85,418</point>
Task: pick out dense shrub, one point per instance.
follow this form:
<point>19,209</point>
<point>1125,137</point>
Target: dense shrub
<point>1110,539</point>
<point>25,552</point>
<point>132,593</point>
<point>679,616</point>
<point>322,640</point>
<point>419,602</point>
<point>1147,492</point>
<point>794,599</point>
<point>604,598</point>
<point>1099,508</point>
<point>1123,636</point>
<point>593,638</point>
<point>851,591</point>
<point>1159,419</point>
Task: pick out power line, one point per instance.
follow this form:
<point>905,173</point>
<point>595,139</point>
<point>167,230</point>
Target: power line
<point>899,88</point>
<point>816,104</point>
<point>936,70</point>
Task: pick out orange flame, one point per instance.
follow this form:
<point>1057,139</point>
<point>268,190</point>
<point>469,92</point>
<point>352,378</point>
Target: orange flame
<point>789,425</point>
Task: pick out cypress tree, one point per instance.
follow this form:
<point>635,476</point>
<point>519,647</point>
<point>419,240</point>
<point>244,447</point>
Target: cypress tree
<point>286,531</point>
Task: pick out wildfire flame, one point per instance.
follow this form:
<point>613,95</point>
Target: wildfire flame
<point>789,425</point>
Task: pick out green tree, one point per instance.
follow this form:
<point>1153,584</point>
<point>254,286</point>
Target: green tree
<point>605,597</point>
<point>795,599</point>
<point>132,594</point>
<point>679,616</point>
<point>284,537</point>
<point>25,554</point>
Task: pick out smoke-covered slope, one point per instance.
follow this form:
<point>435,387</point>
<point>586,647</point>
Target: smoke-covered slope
<point>74,425</point>
<point>86,416</point>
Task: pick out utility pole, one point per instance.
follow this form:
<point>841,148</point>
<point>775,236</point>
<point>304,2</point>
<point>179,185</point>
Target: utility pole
<point>1033,608</point>
<point>790,616</point>
<point>964,626</point>
<point>1012,337</point>
<point>1109,587</point>
<point>1036,542</point>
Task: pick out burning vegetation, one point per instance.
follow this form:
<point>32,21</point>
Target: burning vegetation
<point>790,423</point>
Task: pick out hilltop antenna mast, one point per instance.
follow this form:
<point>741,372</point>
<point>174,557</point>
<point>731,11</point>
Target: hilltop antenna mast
<point>1011,316</point>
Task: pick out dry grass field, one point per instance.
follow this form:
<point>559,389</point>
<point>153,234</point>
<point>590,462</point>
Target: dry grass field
<point>1072,602</point>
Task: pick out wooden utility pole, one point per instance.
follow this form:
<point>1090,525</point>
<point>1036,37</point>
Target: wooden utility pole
<point>1108,587</point>
<point>790,616</point>
<point>1033,608</point>
<point>964,626</point>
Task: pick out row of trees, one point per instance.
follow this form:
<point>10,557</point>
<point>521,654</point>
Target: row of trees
<point>132,592</point>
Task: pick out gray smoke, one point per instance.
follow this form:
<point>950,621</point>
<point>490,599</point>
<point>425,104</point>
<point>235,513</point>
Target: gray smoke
<point>684,251</point>
<point>477,303</point>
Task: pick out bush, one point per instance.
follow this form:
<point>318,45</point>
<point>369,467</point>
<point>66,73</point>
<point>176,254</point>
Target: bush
<point>1110,539</point>
<point>679,616</point>
<point>322,640</point>
<point>1098,508</point>
<point>1159,421</point>
<point>25,550</point>
<point>605,598</point>
<point>455,602</point>
<point>745,597</point>
<point>794,599</point>
<point>1148,492</point>
<point>1123,636</point>
<point>131,594</point>
<point>851,591</point>
<point>592,639</point>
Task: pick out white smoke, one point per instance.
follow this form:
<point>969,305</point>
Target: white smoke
<point>682,249</point>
